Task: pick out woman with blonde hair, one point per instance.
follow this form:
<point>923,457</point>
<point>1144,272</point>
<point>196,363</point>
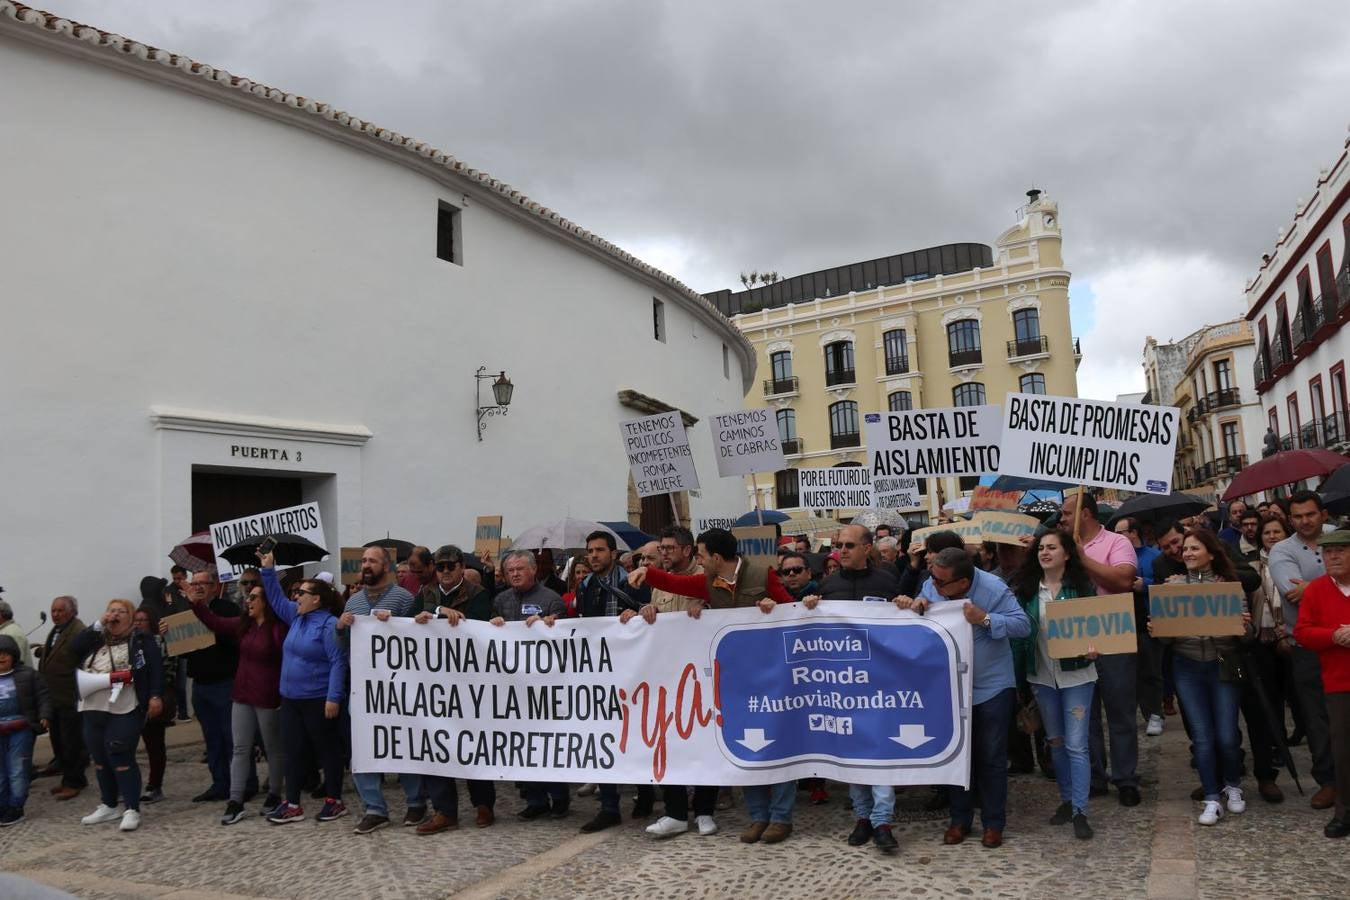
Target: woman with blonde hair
<point>113,716</point>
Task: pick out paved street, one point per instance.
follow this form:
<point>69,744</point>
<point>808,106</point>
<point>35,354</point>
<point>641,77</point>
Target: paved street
<point>1154,850</point>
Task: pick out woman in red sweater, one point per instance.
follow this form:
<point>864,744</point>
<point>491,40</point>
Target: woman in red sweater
<point>1323,627</point>
<point>256,696</point>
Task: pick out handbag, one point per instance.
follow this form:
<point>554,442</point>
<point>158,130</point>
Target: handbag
<point>1028,717</point>
<point>1231,670</point>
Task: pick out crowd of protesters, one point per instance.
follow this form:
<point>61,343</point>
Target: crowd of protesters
<point>273,685</point>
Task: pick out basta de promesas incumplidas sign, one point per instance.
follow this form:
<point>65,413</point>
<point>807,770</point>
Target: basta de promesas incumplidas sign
<point>850,691</point>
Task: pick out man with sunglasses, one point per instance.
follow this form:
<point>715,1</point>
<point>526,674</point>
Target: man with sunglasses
<point>989,606</point>
<point>454,598</point>
<point>795,574</point>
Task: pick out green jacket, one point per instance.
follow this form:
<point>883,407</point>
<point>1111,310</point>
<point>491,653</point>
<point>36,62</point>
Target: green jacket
<point>1024,649</point>
<point>469,599</point>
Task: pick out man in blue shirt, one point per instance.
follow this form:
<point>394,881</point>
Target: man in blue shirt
<point>996,616</point>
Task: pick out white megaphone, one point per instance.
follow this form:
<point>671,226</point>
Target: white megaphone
<point>89,683</point>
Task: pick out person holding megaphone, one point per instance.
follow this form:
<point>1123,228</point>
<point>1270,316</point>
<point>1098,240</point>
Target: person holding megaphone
<point>120,681</point>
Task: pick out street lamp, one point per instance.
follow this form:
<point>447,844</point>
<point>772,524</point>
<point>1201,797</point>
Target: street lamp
<point>501,393</point>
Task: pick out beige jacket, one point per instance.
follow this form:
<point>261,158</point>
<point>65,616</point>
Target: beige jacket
<point>665,601</point>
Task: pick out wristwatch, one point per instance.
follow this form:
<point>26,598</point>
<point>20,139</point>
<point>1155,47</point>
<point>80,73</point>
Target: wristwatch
<point>986,621</point>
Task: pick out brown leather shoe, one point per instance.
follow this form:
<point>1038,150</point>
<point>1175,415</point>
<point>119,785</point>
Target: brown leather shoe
<point>484,817</point>
<point>753,832</point>
<point>1270,792</point>
<point>993,838</point>
<point>955,834</point>
<point>777,833</point>
<point>1325,798</point>
<point>47,771</point>
<point>437,823</point>
<point>66,793</point>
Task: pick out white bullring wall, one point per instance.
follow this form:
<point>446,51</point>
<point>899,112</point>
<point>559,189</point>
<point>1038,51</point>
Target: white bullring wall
<point>163,250</point>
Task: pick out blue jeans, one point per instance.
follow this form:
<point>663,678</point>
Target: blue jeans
<point>214,709</point>
<point>16,757</point>
<point>370,789</point>
<point>111,740</point>
<point>873,802</point>
<point>1064,713</point>
<point>1212,711</point>
<point>1117,693</point>
<point>774,802</point>
<point>988,764</point>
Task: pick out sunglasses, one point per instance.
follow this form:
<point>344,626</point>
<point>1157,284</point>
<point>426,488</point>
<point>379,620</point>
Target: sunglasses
<point>446,567</point>
<point>941,582</point>
<point>845,545</point>
<point>794,570</point>
<point>301,590</point>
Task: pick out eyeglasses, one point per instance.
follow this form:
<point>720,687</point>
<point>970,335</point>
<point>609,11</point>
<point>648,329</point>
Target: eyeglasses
<point>792,570</point>
<point>943,582</point>
<point>845,545</point>
<point>446,567</point>
<point>301,590</point>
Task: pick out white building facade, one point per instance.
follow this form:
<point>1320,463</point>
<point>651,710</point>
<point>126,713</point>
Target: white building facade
<point>1298,304</point>
<point>220,299</point>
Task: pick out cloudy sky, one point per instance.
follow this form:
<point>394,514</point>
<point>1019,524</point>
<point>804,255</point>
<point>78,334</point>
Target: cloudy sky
<point>715,137</point>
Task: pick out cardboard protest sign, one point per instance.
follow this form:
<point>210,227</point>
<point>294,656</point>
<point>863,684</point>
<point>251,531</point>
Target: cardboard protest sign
<point>758,543</point>
<point>834,487</point>
<point>1196,610</point>
<point>970,532</point>
<point>746,442</point>
<point>1113,445</point>
<point>1006,527</point>
<point>351,564</point>
<point>487,536</point>
<point>1105,623</point>
<point>988,498</point>
<point>845,691</point>
<point>303,520</point>
<point>658,454</point>
<point>930,443</point>
<point>186,633</point>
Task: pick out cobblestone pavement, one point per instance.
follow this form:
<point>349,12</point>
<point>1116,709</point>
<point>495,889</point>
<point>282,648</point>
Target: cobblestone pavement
<point>1153,850</point>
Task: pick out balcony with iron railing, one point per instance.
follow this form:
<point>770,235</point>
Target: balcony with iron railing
<point>1230,465</point>
<point>1334,429</point>
<point>1260,372</point>
<point>780,387</point>
<point>792,447</point>
<point>787,499</point>
<point>1028,347</point>
<point>897,365</point>
<point>846,439</point>
<point>836,377</point>
<point>958,358</point>
<point>1279,353</point>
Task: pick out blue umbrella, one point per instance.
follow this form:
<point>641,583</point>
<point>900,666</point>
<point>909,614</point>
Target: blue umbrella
<point>771,517</point>
<point>1020,483</point>
<point>630,535</point>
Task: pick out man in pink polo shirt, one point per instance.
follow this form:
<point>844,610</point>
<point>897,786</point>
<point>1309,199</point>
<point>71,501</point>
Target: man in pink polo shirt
<point>1111,562</point>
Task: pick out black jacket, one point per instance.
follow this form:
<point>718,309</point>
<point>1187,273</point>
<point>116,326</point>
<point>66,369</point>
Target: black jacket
<point>593,597</point>
<point>855,584</point>
<point>218,662</point>
<point>147,665</point>
<point>29,685</point>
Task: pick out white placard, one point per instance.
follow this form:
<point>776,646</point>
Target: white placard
<point>658,454</point>
<point>932,443</point>
<point>303,520</point>
<point>703,523</point>
<point>1129,446</point>
<point>834,487</point>
<point>746,442</point>
<point>895,492</point>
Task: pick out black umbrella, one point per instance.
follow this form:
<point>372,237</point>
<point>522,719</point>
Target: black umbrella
<point>402,549</point>
<point>1152,507</point>
<point>1335,491</point>
<point>1274,722</point>
<point>291,550</point>
<point>1041,509</point>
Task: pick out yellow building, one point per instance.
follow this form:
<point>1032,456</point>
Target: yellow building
<point>956,325</point>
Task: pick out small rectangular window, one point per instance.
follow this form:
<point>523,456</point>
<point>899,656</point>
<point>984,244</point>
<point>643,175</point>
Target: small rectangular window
<point>726,362</point>
<point>448,243</point>
<point>658,320</point>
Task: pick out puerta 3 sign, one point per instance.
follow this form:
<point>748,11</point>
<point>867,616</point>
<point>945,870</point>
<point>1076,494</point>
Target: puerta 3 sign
<point>890,692</point>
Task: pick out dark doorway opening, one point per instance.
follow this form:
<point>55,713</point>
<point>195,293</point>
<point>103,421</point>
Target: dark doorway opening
<point>221,496</point>
<point>657,514</point>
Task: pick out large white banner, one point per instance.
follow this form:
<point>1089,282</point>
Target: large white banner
<point>658,454</point>
<point>303,520</point>
<point>863,693</point>
<point>1090,442</point>
<point>932,443</point>
<point>746,442</point>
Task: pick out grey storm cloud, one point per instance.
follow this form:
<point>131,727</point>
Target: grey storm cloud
<point>722,137</point>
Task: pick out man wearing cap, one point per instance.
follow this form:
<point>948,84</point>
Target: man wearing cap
<point>1323,627</point>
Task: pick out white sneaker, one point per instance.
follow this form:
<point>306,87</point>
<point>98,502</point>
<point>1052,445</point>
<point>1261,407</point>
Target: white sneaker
<point>1212,814</point>
<point>1155,726</point>
<point>1233,796</point>
<point>104,813</point>
<point>706,825</point>
<point>587,790</point>
<point>131,820</point>
<point>667,827</point>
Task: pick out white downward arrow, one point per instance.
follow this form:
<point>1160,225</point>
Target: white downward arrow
<point>754,740</point>
<point>912,736</point>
